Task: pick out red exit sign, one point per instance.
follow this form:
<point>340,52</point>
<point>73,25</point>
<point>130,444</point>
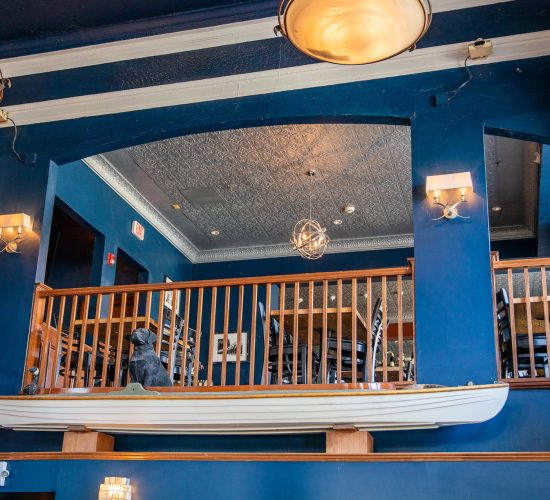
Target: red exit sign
<point>138,230</point>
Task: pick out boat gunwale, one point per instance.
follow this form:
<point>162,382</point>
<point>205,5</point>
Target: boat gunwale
<point>267,393</point>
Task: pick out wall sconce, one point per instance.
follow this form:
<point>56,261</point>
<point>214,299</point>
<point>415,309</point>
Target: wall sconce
<point>435,184</point>
<point>4,473</point>
<point>11,231</point>
<point>115,488</point>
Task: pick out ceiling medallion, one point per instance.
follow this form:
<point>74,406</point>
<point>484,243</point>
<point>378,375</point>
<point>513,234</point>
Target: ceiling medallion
<point>354,31</point>
<point>309,238</point>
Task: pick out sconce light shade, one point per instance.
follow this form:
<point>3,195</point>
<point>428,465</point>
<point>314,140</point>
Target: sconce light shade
<point>15,221</point>
<point>459,180</point>
<point>354,31</point>
<point>115,488</point>
<point>435,184</point>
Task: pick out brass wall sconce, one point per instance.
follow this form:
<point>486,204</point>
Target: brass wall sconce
<point>115,488</point>
<point>460,181</point>
<point>11,231</point>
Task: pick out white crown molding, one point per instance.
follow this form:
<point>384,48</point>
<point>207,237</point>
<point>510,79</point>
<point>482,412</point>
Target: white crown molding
<point>170,43</point>
<point>113,178</point>
<point>509,48</point>
<point>285,249</point>
<point>518,232</point>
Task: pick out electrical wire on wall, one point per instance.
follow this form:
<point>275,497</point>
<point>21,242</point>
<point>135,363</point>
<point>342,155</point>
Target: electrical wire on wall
<point>452,94</point>
<point>5,83</point>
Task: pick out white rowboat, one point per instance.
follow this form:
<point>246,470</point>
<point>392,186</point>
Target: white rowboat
<point>255,412</point>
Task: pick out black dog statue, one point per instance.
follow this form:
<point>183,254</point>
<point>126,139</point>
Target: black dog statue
<point>145,366</point>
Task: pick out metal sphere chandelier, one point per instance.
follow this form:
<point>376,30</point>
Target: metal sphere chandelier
<point>354,31</point>
<point>309,238</point>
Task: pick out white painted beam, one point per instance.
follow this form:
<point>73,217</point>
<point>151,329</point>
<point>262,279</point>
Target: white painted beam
<point>442,57</point>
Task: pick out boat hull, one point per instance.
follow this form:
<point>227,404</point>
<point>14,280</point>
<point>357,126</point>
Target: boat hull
<point>262,412</point>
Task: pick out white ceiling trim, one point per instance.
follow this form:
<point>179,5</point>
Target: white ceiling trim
<point>113,178</point>
<point>170,43</point>
<point>438,58</point>
<point>285,249</point>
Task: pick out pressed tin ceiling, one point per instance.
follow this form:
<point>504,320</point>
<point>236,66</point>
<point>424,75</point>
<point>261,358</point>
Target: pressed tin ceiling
<point>251,184</point>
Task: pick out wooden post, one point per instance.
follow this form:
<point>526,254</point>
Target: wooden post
<point>87,442</point>
<point>349,442</point>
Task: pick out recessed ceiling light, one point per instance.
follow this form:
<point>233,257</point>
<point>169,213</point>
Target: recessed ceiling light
<point>496,209</point>
<point>337,222</point>
<point>348,209</point>
<point>300,300</point>
<point>176,206</point>
<point>215,232</point>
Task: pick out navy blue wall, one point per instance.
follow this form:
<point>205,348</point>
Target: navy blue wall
<point>111,216</point>
<point>455,337</point>
<point>288,480</point>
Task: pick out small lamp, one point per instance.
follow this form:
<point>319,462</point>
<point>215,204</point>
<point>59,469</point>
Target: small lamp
<point>13,223</point>
<point>435,184</point>
<point>115,488</point>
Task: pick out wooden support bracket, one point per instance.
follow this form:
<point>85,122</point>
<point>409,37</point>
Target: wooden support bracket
<point>349,442</point>
<point>87,442</point>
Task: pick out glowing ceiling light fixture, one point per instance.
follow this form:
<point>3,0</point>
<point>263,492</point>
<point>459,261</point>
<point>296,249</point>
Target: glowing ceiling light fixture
<point>309,238</point>
<point>354,31</point>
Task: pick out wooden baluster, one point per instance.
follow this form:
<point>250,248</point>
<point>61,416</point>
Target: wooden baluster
<point>36,334</point>
<point>400,327</point>
<point>70,341</point>
<point>384,330</point>
<point>172,344</point>
<point>545,307</point>
<point>58,345</point>
<point>354,330</point>
<point>512,321</point>
<point>296,332</point>
<point>324,351</point>
<point>225,333</point>
<point>280,340</point>
<point>160,327</point>
<point>267,328</point>
<point>369,366</point>
<point>148,302</point>
<point>198,336</point>
<point>211,346</point>
<point>529,322</point>
<point>132,328</point>
<point>411,263</point>
<point>80,375</point>
<point>45,343</point>
<point>183,368</point>
<point>339,332</point>
<point>95,341</point>
<point>253,334</point>
<point>310,335</point>
<point>239,336</point>
<point>120,339</point>
<point>108,330</point>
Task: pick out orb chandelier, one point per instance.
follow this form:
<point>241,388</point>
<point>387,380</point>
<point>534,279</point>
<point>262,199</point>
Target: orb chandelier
<point>309,238</point>
<point>354,31</point>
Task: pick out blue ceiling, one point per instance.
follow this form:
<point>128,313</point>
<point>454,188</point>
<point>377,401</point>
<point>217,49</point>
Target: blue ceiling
<point>38,18</point>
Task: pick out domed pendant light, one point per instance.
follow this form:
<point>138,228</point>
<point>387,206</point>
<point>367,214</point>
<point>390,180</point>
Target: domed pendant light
<point>354,31</point>
<point>309,237</point>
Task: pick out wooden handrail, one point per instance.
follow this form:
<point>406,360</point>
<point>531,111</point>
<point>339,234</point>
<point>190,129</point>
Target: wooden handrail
<point>521,263</point>
<point>258,280</point>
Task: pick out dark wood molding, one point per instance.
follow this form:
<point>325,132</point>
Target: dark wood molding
<point>286,457</point>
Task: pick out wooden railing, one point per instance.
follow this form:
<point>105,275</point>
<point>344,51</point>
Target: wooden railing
<point>339,327</point>
<point>522,326</point>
